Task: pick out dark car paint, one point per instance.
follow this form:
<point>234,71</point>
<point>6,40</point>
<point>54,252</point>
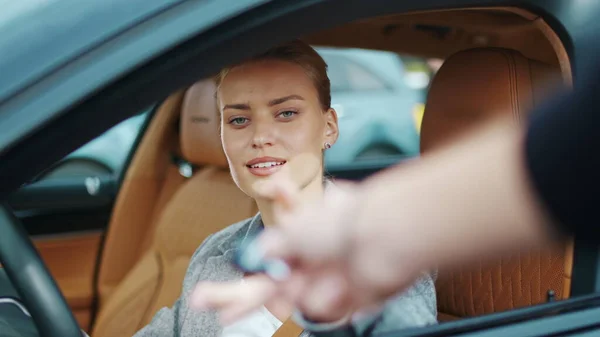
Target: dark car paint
<point>25,150</point>
<point>60,30</point>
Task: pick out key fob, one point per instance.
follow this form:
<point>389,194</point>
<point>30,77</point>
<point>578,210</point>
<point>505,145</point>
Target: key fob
<point>250,258</point>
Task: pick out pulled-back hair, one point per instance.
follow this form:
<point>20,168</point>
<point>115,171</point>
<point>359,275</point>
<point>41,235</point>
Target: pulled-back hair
<point>299,53</point>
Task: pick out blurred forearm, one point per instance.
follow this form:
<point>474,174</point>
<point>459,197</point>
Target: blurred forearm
<point>466,200</point>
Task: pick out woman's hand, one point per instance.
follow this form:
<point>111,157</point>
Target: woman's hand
<point>235,299</point>
<point>339,262</point>
<point>317,241</point>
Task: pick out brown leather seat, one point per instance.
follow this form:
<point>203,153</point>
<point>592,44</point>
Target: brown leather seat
<point>161,216</point>
<point>472,86</point>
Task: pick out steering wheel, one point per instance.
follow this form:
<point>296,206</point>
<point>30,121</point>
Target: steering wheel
<point>32,280</point>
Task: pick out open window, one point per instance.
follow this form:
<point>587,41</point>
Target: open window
<point>381,69</point>
<point>422,42</point>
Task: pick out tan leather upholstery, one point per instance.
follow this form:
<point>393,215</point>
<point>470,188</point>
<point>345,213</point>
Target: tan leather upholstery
<point>471,87</point>
<point>148,183</point>
<point>288,329</point>
<point>477,84</point>
<point>200,125</point>
<point>196,207</point>
<point>71,259</point>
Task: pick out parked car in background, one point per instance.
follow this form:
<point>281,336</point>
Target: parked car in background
<point>376,103</point>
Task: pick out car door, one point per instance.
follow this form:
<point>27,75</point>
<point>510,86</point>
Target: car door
<point>66,210</point>
<point>112,104</point>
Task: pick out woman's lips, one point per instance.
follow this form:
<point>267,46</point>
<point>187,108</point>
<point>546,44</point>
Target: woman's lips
<point>265,166</point>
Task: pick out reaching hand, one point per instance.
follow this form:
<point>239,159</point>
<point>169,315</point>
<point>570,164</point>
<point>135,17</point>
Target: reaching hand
<point>235,299</point>
<point>339,262</point>
<point>334,270</point>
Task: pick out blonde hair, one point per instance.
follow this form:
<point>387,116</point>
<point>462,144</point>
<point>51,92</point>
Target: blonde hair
<point>299,53</point>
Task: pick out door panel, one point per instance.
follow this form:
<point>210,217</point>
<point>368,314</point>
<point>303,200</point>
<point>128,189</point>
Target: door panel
<point>74,183</point>
<point>66,218</point>
<point>65,205</point>
<point>66,209</point>
<point>72,261</point>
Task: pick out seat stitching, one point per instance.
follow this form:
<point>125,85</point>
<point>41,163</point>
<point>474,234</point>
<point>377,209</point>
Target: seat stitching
<point>533,98</point>
<point>454,286</point>
<point>512,297</point>
<point>512,83</point>
<point>128,299</point>
<point>492,290</point>
<point>159,284</point>
<point>472,299</point>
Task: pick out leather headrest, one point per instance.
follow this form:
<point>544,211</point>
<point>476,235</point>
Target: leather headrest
<point>476,84</point>
<point>199,126</point>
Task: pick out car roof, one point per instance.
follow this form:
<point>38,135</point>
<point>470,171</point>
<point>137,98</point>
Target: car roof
<point>39,35</point>
<point>67,57</point>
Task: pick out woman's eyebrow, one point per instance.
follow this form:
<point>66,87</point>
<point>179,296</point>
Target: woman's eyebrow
<point>240,106</point>
<point>284,99</point>
<point>276,101</point>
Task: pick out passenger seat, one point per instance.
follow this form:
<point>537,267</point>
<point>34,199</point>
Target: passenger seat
<point>200,198</point>
<point>471,87</point>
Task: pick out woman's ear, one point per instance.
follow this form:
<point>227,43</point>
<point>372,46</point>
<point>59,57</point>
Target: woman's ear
<point>331,126</point>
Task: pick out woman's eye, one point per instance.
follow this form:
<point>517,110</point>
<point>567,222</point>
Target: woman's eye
<point>238,121</point>
<point>288,114</point>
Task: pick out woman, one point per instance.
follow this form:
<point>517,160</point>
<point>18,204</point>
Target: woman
<point>276,120</point>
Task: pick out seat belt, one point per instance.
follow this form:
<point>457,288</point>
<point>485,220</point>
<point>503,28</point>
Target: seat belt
<point>289,328</point>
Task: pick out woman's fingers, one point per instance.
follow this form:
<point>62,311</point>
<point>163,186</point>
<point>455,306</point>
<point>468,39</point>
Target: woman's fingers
<point>233,299</point>
<point>282,190</point>
<point>314,233</point>
<point>287,194</point>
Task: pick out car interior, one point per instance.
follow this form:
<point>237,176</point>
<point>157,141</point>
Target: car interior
<point>176,190</point>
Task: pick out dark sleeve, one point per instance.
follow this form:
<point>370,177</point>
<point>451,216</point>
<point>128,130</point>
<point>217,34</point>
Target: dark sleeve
<point>562,151</point>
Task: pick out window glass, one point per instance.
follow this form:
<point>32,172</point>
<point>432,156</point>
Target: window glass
<point>360,79</point>
<point>347,75</point>
<point>380,99</point>
<point>104,155</point>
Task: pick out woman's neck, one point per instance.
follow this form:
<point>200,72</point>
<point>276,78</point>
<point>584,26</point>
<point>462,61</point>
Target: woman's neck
<point>310,192</point>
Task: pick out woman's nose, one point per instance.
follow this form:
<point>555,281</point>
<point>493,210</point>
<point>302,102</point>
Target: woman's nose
<point>263,135</point>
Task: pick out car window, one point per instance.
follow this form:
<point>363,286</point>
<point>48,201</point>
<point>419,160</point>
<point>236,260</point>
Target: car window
<point>380,99</point>
<point>348,75</point>
<point>105,155</point>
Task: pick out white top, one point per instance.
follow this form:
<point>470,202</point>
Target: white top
<point>260,323</point>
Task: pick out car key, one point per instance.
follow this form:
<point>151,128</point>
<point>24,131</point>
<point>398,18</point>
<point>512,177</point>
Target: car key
<point>250,258</point>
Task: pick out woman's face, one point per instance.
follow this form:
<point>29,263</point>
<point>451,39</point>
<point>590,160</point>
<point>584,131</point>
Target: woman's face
<point>272,122</point>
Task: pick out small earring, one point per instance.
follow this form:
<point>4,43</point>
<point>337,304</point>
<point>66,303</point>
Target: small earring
<point>327,146</point>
